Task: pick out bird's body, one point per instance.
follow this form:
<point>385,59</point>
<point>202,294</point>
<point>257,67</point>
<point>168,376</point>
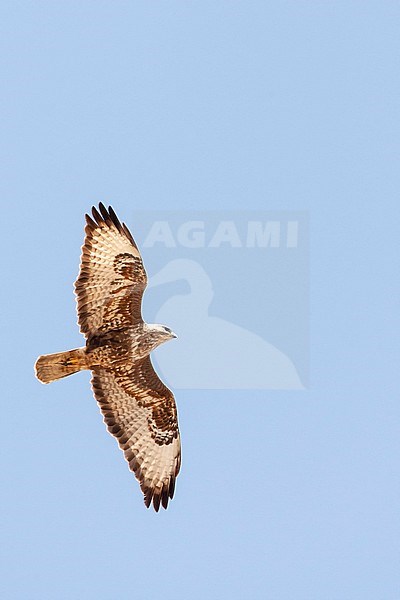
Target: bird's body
<point>138,409</point>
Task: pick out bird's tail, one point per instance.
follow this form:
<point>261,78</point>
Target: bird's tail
<point>51,367</point>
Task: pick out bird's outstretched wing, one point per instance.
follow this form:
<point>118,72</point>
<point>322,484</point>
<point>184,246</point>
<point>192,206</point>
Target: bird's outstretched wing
<point>140,412</point>
<point>112,277</point>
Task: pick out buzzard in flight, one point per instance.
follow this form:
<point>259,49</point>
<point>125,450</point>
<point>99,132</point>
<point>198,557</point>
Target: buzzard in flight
<point>138,409</point>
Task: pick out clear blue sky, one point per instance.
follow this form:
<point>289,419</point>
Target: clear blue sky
<point>193,106</point>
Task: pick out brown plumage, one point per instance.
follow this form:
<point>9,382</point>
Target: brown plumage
<point>138,409</point>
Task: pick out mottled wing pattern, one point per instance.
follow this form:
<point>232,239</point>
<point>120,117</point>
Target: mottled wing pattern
<point>140,412</point>
<point>112,277</point>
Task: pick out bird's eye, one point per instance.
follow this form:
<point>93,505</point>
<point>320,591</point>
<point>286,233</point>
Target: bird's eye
<point>167,329</point>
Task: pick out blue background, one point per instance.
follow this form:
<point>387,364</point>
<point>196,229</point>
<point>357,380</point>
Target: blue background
<point>196,105</point>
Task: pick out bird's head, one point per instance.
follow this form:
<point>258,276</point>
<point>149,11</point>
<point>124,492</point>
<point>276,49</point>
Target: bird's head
<point>158,334</point>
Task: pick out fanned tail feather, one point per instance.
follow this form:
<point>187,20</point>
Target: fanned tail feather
<point>51,367</point>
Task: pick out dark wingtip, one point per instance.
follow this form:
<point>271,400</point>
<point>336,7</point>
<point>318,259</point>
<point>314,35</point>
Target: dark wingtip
<point>156,502</point>
<point>172,487</point>
<point>164,496</point>
<point>148,495</point>
<point>129,235</point>
<point>90,221</point>
<point>109,216</point>
<point>115,220</point>
<point>97,216</point>
<point>159,498</point>
<point>104,212</point>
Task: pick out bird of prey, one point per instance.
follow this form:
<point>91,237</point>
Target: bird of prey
<point>138,409</point>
